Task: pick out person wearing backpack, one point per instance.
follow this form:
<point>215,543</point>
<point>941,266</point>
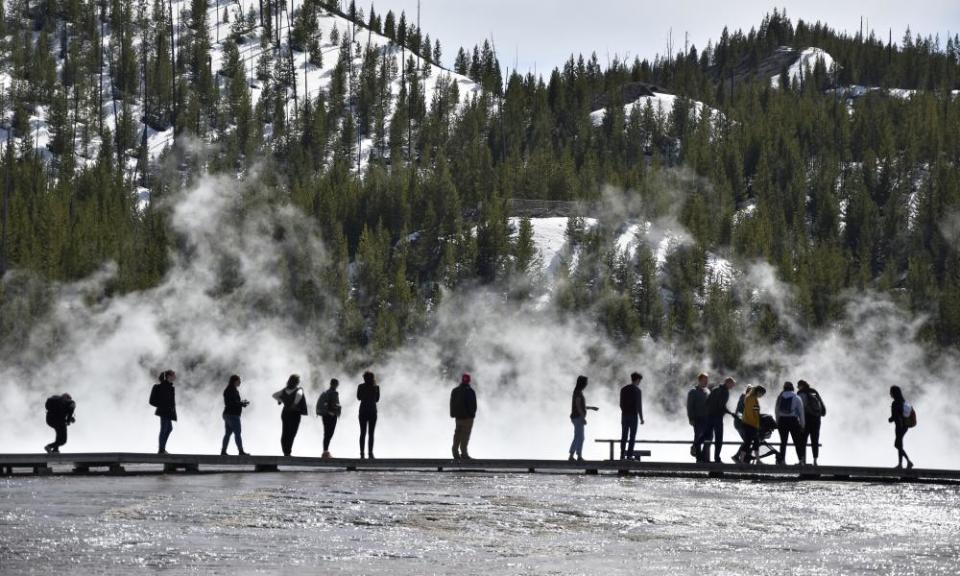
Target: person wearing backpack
<point>903,417</point>
<point>233,407</point>
<point>790,421</point>
<point>368,394</point>
<point>294,407</point>
<point>163,397</point>
<point>328,409</point>
<point>59,415</point>
<point>813,410</point>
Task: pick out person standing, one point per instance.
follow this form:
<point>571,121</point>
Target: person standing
<point>163,397</point>
<point>294,407</point>
<point>368,394</point>
<point>814,409</point>
<point>631,412</point>
<point>716,411</point>
<point>233,407</point>
<point>463,409</point>
<point>790,421</point>
<point>903,418</point>
<point>59,415</point>
<point>328,409</point>
<point>578,416</point>
<point>750,424</point>
<point>698,417</point>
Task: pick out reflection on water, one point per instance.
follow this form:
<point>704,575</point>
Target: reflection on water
<point>417,523</point>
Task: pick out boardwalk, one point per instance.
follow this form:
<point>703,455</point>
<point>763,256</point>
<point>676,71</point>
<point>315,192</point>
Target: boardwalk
<point>134,463</point>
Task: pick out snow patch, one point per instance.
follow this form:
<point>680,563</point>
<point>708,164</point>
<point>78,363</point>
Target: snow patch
<point>804,64</point>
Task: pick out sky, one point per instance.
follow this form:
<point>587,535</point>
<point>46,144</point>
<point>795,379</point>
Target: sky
<point>538,35</point>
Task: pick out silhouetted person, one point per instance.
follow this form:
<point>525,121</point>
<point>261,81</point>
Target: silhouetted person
<point>814,409</point>
<point>716,411</point>
<point>699,418</point>
<point>463,409</point>
<point>790,421</point>
<point>163,397</point>
<point>294,407</point>
<point>328,409</point>
<point>631,415</point>
<point>751,424</point>
<point>368,394</point>
<point>901,414</point>
<point>578,416</point>
<point>59,415</point>
<point>233,407</point>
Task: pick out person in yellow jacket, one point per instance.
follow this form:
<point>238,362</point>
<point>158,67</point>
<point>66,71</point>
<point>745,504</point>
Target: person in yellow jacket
<point>751,424</point>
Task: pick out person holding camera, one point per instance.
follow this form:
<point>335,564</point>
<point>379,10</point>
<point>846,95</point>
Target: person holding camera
<point>232,408</point>
<point>59,415</point>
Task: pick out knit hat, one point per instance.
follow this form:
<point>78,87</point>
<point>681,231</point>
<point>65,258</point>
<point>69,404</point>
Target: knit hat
<point>465,379</point>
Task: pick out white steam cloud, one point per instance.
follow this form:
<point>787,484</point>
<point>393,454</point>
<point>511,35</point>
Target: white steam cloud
<point>221,310</point>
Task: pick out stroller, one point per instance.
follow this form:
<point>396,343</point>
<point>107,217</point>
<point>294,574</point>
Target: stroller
<point>761,447</point>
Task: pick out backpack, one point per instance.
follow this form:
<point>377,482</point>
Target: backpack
<point>154,401</point>
<point>322,409</point>
<point>812,405</point>
<point>52,403</point>
<point>909,420</point>
<point>785,405</point>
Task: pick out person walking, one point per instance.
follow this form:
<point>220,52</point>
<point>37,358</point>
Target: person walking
<point>903,418</point>
<point>163,397</point>
<point>233,407</point>
<point>294,403</point>
<point>631,412</point>
<point>368,394</point>
<point>716,411</point>
<point>813,409</point>
<point>750,424</point>
<point>698,417</point>
<point>328,409</point>
<point>790,421</point>
<point>738,424</point>
<point>59,415</point>
<point>578,416</point>
<point>463,409</point>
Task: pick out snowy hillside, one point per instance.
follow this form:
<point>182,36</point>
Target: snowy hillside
<point>804,64</point>
<point>309,80</point>
<point>661,103</point>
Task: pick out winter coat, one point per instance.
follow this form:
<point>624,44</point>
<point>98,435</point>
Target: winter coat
<point>368,395</point>
<point>717,401</point>
<point>293,399</point>
<point>59,410</point>
<point>751,411</point>
<point>232,404</point>
<point>164,398</point>
<point>631,401</point>
<point>463,402</point>
<point>697,404</point>
<point>329,404</point>
<point>789,405</point>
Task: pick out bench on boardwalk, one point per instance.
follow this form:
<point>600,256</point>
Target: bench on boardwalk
<point>638,454</point>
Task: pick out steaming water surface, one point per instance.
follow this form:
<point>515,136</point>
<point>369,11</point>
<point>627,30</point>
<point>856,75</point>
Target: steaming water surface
<point>427,523</point>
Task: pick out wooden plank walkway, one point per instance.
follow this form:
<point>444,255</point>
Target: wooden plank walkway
<point>118,463</point>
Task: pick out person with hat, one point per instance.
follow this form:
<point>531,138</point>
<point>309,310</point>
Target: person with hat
<point>631,415</point>
<point>463,409</point>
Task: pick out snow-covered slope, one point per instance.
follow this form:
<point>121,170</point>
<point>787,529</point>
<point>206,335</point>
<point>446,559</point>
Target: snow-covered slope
<point>310,80</point>
<point>660,102</point>
<point>804,64</point>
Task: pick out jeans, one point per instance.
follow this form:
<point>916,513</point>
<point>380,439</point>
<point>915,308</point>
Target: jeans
<point>716,428</point>
<point>329,426</point>
<point>61,430</point>
<point>231,425</point>
<point>461,437</point>
<point>702,433</point>
<point>790,425</point>
<point>751,442</point>
<point>291,423</point>
<point>368,423</point>
<point>628,434</point>
<point>166,427</point>
<point>812,433</point>
<point>576,447</point>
